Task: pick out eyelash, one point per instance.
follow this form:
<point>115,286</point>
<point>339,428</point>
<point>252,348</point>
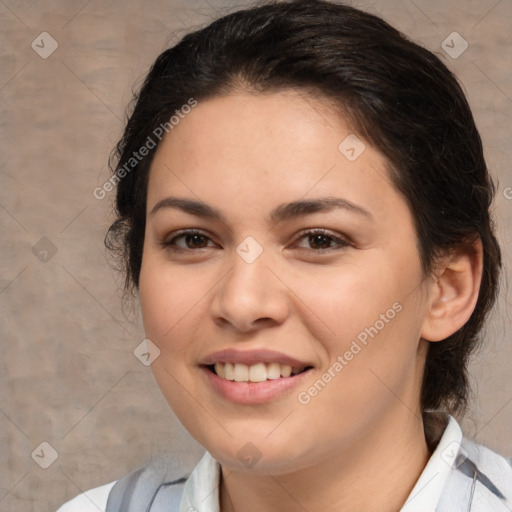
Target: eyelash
<point>169,245</point>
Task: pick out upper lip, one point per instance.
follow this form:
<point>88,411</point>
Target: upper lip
<point>251,357</point>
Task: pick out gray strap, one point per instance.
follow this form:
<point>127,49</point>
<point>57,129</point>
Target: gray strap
<point>146,490</point>
<point>469,468</point>
<point>167,498</point>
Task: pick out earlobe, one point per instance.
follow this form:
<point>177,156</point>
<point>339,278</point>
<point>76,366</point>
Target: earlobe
<point>454,292</point>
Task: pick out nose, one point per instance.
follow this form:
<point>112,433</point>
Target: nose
<point>250,297</point>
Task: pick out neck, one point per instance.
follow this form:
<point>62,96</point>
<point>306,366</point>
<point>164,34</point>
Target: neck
<point>375,474</point>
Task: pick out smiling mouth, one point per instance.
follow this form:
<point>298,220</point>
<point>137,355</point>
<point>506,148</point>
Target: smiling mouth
<point>259,372</point>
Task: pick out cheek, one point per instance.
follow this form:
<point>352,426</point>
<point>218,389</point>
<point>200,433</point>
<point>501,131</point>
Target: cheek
<point>373,314</point>
<point>165,302</point>
<point>166,305</point>
<point>351,298</point>
<point>155,302</point>
<point>375,318</point>
<point>166,293</point>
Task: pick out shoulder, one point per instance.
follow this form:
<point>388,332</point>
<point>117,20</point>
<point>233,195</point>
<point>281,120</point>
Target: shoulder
<point>494,470</point>
<point>480,479</point>
<point>93,500</point>
<point>158,484</point>
<point>468,475</point>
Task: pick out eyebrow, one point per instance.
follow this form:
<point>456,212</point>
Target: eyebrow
<point>281,213</point>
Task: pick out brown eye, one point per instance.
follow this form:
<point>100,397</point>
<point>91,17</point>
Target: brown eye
<point>319,240</point>
<point>195,240</point>
<point>192,240</point>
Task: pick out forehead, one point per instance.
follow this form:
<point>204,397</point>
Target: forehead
<point>248,148</point>
<point>244,123</point>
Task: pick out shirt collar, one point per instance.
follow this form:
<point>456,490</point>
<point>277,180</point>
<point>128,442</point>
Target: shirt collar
<point>201,492</point>
<point>426,493</point>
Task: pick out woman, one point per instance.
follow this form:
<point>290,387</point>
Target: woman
<point>303,210</point>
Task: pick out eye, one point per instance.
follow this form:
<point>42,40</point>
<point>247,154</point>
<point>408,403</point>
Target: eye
<point>192,238</point>
<point>320,240</point>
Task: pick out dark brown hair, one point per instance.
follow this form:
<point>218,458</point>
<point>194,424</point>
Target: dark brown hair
<point>398,96</point>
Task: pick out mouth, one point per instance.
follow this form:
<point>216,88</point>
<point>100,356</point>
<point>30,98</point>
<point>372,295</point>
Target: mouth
<point>258,372</point>
<point>252,377</point>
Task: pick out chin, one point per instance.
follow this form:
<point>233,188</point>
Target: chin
<point>247,454</point>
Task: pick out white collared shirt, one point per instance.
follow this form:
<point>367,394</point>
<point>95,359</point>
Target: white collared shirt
<point>201,491</point>
<point>450,482</point>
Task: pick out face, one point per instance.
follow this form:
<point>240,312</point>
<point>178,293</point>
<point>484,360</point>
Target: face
<point>270,249</point>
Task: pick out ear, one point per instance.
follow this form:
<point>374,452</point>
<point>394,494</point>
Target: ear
<point>454,292</point>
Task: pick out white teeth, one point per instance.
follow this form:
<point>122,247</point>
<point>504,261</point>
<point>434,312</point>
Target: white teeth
<point>241,372</point>
<point>286,371</point>
<point>229,372</point>
<point>258,372</point>
<point>273,371</point>
<point>219,370</point>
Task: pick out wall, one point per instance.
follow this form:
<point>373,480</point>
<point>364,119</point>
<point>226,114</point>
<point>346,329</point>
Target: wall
<point>68,373</point>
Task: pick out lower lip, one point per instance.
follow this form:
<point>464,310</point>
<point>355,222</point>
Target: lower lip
<point>250,393</point>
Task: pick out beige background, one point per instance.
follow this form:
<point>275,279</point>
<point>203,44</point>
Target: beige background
<point>68,375</point>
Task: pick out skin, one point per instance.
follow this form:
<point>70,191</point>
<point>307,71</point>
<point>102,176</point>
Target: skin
<point>359,444</point>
